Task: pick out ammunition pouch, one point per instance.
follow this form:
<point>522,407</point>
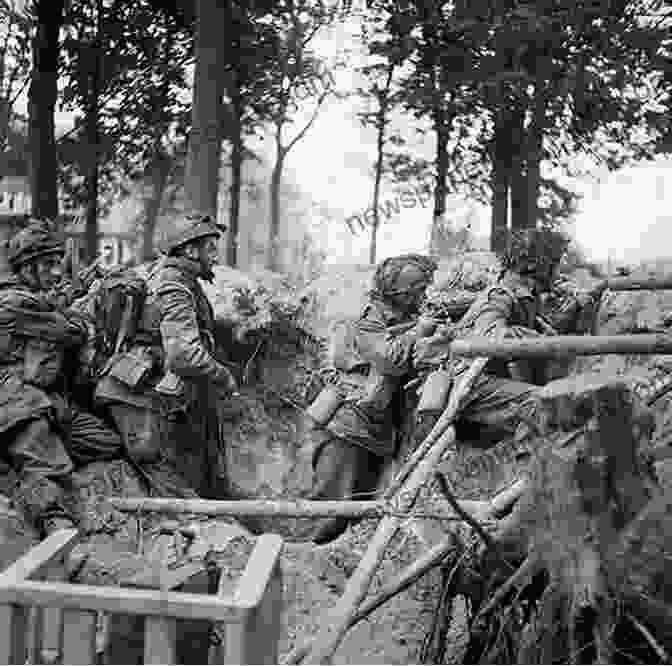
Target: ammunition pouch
<point>130,368</point>
<point>435,391</point>
<point>42,362</point>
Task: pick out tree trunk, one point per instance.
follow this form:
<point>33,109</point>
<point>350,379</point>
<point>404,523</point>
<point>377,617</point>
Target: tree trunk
<point>442,129</point>
<point>499,183</point>
<point>41,104</point>
<point>381,124</point>
<point>93,139</point>
<point>273,246</point>
<point>205,139</point>
<point>518,166</point>
<point>158,174</point>
<point>236,185</point>
<point>535,144</point>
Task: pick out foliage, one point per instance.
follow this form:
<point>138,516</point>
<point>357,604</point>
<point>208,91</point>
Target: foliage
<point>14,78</point>
<point>550,79</point>
<point>142,92</point>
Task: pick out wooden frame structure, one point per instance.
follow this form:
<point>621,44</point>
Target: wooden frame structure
<point>66,629</point>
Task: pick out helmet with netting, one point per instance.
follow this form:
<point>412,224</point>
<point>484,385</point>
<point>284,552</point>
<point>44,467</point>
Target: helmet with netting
<point>397,275</point>
<point>38,238</point>
<point>188,229</point>
<point>534,251</point>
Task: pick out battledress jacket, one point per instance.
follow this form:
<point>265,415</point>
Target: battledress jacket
<point>507,305</point>
<point>383,343</point>
<point>29,318</point>
<point>176,336</point>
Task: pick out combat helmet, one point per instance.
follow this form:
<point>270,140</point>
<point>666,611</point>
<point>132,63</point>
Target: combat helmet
<point>188,229</point>
<point>397,275</point>
<point>534,251</point>
<point>36,239</point>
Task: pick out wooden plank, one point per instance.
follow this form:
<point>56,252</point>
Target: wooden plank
<point>264,632</point>
<point>258,571</point>
<point>50,637</point>
<point>39,558</point>
<point>13,633</point>
<point>160,634</point>
<point>79,636</point>
<point>125,601</point>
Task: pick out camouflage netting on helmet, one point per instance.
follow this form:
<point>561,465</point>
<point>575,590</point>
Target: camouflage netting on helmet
<point>39,237</point>
<point>386,279</point>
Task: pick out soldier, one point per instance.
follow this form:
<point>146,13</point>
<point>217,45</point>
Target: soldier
<point>44,434</point>
<point>164,391</point>
<point>509,308</point>
<point>359,432</point>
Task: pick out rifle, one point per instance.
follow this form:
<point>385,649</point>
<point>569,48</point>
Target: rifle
<point>458,307</point>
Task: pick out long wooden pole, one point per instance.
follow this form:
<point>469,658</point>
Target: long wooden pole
<point>561,346</point>
<point>260,507</point>
<point>278,508</point>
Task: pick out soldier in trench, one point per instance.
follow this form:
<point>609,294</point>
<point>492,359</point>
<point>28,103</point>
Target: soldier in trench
<point>45,434</point>
<point>359,431</point>
<point>164,391</point>
<point>507,308</point>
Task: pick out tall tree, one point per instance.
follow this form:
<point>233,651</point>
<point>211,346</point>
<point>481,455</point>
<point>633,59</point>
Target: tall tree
<point>42,96</point>
<point>249,55</point>
<point>381,92</point>
<point>15,28</point>
<point>125,75</point>
<point>296,69</point>
<point>207,127</point>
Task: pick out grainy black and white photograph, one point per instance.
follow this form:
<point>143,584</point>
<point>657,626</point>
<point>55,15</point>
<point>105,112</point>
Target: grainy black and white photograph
<point>335,332</point>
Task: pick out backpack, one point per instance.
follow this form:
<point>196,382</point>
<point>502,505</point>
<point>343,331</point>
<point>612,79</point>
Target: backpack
<point>118,310</point>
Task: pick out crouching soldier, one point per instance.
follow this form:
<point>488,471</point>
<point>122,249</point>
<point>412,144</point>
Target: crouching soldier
<point>44,434</point>
<point>356,434</point>
<point>164,385</point>
<point>508,308</point>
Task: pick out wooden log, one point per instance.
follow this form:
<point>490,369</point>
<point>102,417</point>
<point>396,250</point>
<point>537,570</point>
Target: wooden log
<point>636,284</point>
<point>562,346</point>
<point>294,508</point>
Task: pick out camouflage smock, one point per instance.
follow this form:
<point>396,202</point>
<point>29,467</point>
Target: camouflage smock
<point>383,343</point>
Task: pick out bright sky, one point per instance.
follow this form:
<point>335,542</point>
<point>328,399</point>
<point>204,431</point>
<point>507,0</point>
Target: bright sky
<point>622,216</point>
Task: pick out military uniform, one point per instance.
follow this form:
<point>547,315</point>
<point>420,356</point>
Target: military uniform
<point>352,448</point>
<point>509,308</point>
<point>163,392</point>
<point>45,435</point>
